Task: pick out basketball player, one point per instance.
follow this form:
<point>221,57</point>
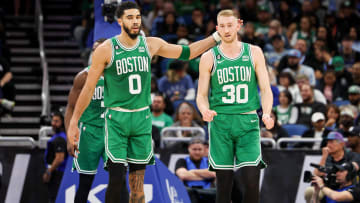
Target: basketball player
<point>233,70</point>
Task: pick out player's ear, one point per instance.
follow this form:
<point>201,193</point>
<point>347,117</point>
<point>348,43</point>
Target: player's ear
<point>119,20</point>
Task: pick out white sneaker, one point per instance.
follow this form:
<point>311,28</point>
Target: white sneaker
<point>7,104</point>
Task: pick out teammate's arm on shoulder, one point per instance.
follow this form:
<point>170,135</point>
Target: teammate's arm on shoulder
<point>74,93</point>
<point>160,47</point>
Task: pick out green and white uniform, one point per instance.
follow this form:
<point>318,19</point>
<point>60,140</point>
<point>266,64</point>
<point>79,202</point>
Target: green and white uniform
<point>234,132</point>
<point>91,126</point>
<point>127,98</point>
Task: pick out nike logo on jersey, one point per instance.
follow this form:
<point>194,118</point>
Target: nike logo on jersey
<point>148,116</point>
<point>253,121</point>
<point>119,52</point>
<point>221,61</point>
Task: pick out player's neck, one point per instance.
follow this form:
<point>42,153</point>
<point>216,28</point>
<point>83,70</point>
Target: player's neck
<point>231,49</point>
<point>126,40</point>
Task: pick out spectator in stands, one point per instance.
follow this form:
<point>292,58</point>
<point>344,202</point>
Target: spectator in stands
<point>302,80</point>
<point>177,84</point>
<point>343,76</point>
<point>309,106</point>
<point>349,55</point>
<point>303,47</point>
<point>355,70</point>
<point>273,57</point>
<point>159,118</point>
<point>167,29</point>
<point>295,68</point>
<point>159,20</point>
<point>318,130</point>
<point>333,154</point>
<point>333,116</point>
<point>354,139</point>
<point>324,34</point>
<point>275,28</point>
<point>346,121</point>
<point>55,156</point>
<point>247,9</point>
<point>347,17</point>
<point>354,34</point>
<point>285,112</point>
<point>193,171</point>
<point>155,12</point>
<point>354,96</point>
<point>345,177</point>
<point>320,60</point>
<point>287,82</point>
<point>197,27</point>
<point>331,90</point>
<point>250,37</point>
<point>186,116</point>
<point>305,32</point>
<point>7,87</point>
<point>262,25</point>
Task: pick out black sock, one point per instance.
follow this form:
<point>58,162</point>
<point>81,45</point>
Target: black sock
<point>117,190</point>
<point>224,182</point>
<point>249,182</point>
<point>82,192</point>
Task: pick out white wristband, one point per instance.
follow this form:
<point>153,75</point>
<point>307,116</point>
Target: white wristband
<point>216,37</point>
<point>265,115</point>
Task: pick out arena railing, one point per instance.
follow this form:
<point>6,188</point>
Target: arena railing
<point>179,139</point>
<point>298,140</point>
<point>24,142</point>
<point>45,94</point>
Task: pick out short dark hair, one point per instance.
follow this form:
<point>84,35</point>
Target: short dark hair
<point>196,141</point>
<point>125,6</point>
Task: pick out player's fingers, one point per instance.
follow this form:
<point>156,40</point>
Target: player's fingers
<point>214,113</point>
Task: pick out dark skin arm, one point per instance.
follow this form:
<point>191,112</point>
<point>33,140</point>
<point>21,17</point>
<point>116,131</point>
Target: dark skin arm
<point>59,158</point>
<point>78,85</point>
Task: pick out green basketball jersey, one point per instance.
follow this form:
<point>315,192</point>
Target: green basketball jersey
<point>233,82</point>
<point>128,76</point>
<point>94,113</point>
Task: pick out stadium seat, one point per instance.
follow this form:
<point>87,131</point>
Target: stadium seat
<point>295,129</point>
<point>341,102</point>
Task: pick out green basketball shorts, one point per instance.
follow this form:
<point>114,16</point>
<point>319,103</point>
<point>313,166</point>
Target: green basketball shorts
<point>91,146</point>
<point>234,141</point>
<point>128,137</point>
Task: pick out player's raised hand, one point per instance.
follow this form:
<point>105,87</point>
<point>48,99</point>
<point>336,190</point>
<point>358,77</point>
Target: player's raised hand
<point>268,121</point>
<point>208,115</point>
<point>73,139</point>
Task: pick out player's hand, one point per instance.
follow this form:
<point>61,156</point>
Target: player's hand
<point>73,139</point>
<point>268,121</point>
<point>208,115</point>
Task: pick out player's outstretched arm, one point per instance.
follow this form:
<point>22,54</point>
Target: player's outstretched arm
<point>160,47</point>
<point>264,85</point>
<point>101,57</point>
<point>202,101</point>
<point>79,82</point>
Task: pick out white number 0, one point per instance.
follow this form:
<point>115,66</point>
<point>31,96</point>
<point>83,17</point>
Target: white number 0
<point>131,84</point>
<point>230,89</point>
